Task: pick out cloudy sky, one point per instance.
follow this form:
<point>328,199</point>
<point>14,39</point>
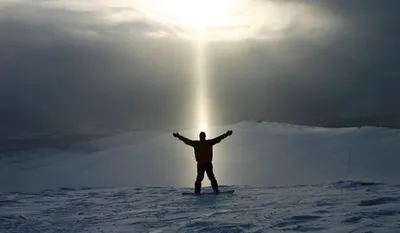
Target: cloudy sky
<point>101,65</point>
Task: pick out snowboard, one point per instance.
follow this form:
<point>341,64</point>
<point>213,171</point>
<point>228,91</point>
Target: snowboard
<point>208,193</point>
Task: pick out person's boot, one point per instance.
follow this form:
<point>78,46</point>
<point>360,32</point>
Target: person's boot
<point>214,185</point>
<point>197,187</point>
<point>216,190</point>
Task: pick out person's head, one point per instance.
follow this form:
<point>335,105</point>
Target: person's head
<point>202,136</point>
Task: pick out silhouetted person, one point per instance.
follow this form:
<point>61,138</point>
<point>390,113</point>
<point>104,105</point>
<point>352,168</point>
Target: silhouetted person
<point>203,150</point>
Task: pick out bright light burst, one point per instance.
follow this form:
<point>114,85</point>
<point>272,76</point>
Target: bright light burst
<point>220,20</point>
<point>196,14</point>
<point>235,19</point>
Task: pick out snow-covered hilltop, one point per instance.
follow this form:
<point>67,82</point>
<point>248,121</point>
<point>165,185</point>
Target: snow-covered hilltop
<point>286,177</point>
<point>258,154</point>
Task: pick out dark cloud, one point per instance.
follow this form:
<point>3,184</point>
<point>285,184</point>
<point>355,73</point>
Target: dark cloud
<point>55,76</point>
<point>70,71</point>
<point>352,73</point>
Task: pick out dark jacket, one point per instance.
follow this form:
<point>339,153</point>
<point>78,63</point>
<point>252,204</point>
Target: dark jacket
<point>203,149</point>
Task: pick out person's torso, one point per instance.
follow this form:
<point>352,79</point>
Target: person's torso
<point>203,151</point>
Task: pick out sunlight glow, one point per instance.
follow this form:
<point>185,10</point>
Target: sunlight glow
<point>198,15</point>
<point>236,19</point>
<point>201,84</point>
<point>222,20</point>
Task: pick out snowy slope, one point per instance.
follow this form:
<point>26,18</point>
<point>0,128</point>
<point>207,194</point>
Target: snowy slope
<point>258,154</point>
<point>286,177</point>
<point>336,207</point>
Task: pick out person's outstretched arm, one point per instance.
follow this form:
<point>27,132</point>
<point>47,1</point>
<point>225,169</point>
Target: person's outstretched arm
<point>221,137</point>
<point>183,139</point>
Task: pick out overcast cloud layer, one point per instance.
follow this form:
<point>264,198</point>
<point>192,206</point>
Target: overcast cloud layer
<point>81,69</point>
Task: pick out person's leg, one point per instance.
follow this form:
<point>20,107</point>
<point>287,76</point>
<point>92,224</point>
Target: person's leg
<point>211,176</point>
<point>200,177</point>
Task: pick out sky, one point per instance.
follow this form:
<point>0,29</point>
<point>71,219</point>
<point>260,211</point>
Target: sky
<point>100,66</point>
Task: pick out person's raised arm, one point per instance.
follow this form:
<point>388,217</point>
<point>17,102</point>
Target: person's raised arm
<point>221,137</point>
<point>183,139</point>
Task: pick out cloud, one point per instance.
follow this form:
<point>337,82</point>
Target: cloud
<point>351,72</point>
<point>72,72</point>
<point>78,68</point>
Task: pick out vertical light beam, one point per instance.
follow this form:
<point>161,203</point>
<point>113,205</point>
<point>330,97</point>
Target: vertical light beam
<point>201,82</point>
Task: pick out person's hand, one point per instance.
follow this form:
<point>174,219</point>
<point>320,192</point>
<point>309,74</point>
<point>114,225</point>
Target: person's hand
<point>175,134</point>
<point>229,132</point>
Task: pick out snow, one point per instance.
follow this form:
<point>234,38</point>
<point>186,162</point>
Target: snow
<point>335,207</point>
<point>286,178</point>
